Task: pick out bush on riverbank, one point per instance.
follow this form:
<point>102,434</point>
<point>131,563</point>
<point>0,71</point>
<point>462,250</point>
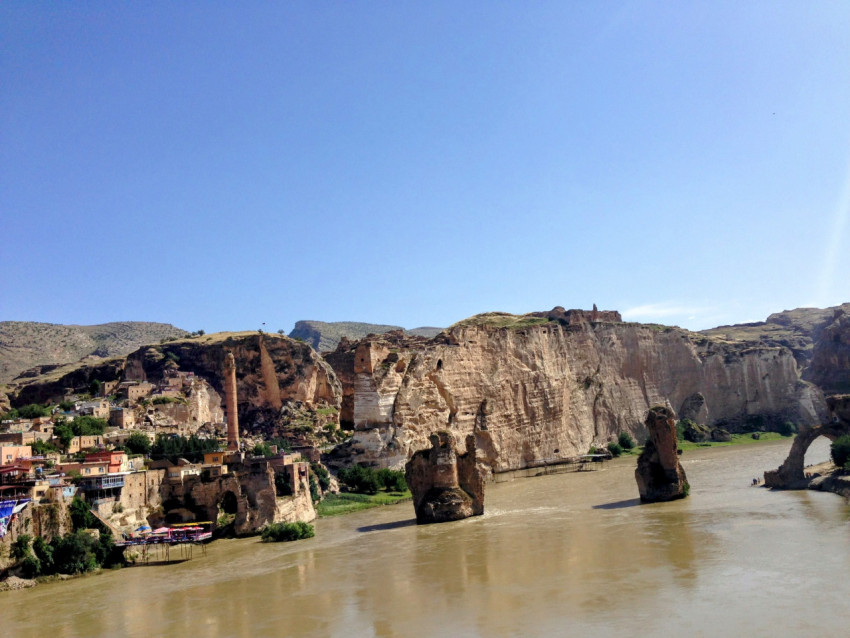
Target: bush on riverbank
<point>615,449</point>
<point>75,553</point>
<point>626,441</point>
<point>840,450</point>
<point>283,532</point>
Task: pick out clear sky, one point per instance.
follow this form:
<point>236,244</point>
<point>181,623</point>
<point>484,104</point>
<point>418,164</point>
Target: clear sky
<point>224,165</point>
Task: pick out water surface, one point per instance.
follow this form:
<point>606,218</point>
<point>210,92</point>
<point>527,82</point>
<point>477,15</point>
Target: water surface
<point>563,555</point>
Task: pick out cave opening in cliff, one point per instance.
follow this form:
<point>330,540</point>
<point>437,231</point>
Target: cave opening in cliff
<point>228,503</point>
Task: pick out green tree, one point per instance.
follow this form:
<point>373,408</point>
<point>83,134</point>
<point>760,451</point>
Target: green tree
<point>786,428</point>
<point>32,411</point>
<point>64,432</point>
<point>262,449</point>
<point>95,388</point>
<point>44,553</point>
<point>88,426</point>
<point>40,448</point>
<point>21,547</point>
<point>626,441</point>
<point>278,532</point>
<point>392,480</point>
<point>81,516</point>
<point>840,450</point>
<point>322,475</point>
<point>360,479</point>
<point>615,449</point>
<point>138,443</point>
<point>74,553</point>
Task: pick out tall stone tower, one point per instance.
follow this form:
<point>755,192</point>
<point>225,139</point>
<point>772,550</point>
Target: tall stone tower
<point>230,402</point>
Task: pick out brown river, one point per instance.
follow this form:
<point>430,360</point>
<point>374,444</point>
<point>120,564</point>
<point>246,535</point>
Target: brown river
<point>561,555</point>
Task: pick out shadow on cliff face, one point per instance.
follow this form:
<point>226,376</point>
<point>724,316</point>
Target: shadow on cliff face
<point>616,505</point>
<point>384,526</point>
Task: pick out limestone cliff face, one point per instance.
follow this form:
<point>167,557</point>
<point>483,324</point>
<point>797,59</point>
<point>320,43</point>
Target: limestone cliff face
<point>546,390</point>
<point>830,366</point>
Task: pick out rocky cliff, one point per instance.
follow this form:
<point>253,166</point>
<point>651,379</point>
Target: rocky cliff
<point>818,337</point>
<point>548,386</point>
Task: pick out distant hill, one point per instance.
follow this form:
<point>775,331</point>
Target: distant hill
<point>27,344</point>
<point>324,336</point>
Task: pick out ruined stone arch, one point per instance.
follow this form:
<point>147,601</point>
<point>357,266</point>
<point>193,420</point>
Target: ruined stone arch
<point>791,473</point>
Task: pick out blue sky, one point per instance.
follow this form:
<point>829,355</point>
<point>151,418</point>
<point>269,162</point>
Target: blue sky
<point>227,165</point>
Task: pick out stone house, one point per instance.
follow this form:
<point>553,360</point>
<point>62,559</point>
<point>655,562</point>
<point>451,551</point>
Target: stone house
<point>98,409</point>
<point>136,391</point>
<point>123,418</point>
<point>117,460</point>
<point>11,453</point>
<point>79,443</point>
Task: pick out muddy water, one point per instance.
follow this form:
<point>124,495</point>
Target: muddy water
<point>563,555</point>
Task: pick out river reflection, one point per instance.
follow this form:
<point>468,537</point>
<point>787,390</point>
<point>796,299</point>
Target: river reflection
<point>571,554</point>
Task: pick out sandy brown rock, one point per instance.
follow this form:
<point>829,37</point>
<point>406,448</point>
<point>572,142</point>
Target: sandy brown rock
<point>533,389</point>
<point>446,485</point>
<point>659,475</point>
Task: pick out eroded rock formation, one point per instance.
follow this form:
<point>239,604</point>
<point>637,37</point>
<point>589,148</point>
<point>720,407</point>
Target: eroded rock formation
<point>659,475</point>
<point>446,485</point>
<point>535,389</point>
<point>791,474</point>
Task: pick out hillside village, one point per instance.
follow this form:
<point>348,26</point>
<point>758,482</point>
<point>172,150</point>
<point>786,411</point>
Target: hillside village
<point>142,455</point>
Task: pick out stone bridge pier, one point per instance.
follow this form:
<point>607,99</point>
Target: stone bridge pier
<point>790,475</point>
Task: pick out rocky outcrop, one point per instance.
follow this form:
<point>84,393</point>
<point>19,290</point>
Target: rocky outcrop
<point>446,485</point>
<point>659,475</point>
<point>819,338</point>
<point>535,389</point>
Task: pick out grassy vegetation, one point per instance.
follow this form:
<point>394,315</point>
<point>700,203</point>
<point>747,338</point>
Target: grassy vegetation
<point>737,439</point>
<point>345,503</point>
<point>503,320</point>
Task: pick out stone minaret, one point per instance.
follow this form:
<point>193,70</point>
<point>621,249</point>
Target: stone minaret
<point>230,402</point>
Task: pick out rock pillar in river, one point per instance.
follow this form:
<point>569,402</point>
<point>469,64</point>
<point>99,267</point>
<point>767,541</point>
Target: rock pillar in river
<point>659,474</point>
<point>446,485</point>
<point>230,402</point>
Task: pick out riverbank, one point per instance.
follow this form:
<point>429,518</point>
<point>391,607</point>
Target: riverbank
<point>348,502</point>
<point>737,439</point>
